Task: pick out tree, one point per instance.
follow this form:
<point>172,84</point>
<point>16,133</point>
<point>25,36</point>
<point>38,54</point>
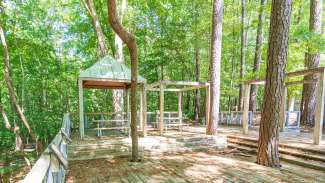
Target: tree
<point>98,29</point>
<point>118,94</point>
<point>258,54</point>
<point>11,89</point>
<point>243,36</point>
<point>312,60</point>
<point>268,153</point>
<point>130,41</point>
<point>216,40</point>
<point>197,91</point>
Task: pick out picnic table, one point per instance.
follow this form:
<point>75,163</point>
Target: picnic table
<point>117,124</point>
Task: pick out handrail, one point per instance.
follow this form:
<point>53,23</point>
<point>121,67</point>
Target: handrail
<point>49,167</point>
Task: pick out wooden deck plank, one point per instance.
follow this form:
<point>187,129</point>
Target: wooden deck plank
<point>169,159</point>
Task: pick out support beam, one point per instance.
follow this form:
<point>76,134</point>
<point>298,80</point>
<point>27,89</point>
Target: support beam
<point>144,109</point>
<point>180,112</point>
<point>319,114</point>
<point>127,109</point>
<point>283,109</point>
<point>141,108</point>
<point>246,90</point>
<point>207,106</point>
<point>161,112</point>
<point>166,89</point>
<point>81,110</point>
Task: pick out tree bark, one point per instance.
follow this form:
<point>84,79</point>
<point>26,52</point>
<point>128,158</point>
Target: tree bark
<point>268,153</point>
<point>98,29</point>
<point>118,94</point>
<point>130,41</point>
<point>216,40</point>
<point>10,87</point>
<point>311,61</point>
<point>258,54</point>
<point>197,91</point>
<point>242,51</point>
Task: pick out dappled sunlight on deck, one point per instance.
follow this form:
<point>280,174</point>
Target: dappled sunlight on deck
<point>187,156</point>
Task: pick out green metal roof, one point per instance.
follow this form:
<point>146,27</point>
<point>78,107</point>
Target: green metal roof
<point>110,69</point>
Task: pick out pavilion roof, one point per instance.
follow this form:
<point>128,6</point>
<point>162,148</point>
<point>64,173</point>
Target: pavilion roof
<point>108,73</point>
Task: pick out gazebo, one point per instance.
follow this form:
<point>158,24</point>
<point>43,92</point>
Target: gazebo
<point>107,73</point>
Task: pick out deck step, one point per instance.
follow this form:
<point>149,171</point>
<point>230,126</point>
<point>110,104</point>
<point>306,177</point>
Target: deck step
<point>290,158</point>
<point>254,140</point>
<point>282,150</point>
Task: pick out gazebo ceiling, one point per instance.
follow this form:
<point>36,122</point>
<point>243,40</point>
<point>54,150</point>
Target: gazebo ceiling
<point>107,73</point>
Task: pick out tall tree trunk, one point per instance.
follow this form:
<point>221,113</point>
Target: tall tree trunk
<point>258,54</point>
<point>311,61</point>
<point>268,153</point>
<point>197,91</point>
<point>118,94</point>
<point>10,87</point>
<point>130,41</point>
<point>98,29</point>
<point>216,40</point>
<point>242,51</point>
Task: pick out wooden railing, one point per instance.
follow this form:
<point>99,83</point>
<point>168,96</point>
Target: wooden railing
<point>235,118</point>
<point>52,164</point>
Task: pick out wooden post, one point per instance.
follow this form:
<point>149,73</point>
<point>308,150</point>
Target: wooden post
<point>144,109</point>
<point>319,114</point>
<point>55,166</point>
<point>81,110</point>
<point>283,109</point>
<point>246,90</point>
<point>207,106</point>
<point>161,112</point>
<point>180,112</point>
<point>128,116</point>
<point>141,109</point>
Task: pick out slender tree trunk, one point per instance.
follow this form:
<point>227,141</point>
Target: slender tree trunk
<point>118,94</point>
<point>301,3</point>
<point>10,87</point>
<point>258,54</point>
<point>197,91</point>
<point>130,41</point>
<point>291,103</point>
<point>98,29</point>
<point>242,51</point>
<point>268,153</point>
<point>18,141</point>
<point>216,40</point>
<point>311,61</point>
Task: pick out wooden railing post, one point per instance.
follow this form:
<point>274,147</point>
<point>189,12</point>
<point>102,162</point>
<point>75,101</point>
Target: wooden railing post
<point>319,114</point>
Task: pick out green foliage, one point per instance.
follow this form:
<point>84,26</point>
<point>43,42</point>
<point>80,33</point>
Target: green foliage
<point>51,41</point>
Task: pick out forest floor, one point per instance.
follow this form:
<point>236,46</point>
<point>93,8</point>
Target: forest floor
<point>187,156</point>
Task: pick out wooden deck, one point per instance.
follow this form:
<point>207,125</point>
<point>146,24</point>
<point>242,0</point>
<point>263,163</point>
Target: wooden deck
<point>189,156</point>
